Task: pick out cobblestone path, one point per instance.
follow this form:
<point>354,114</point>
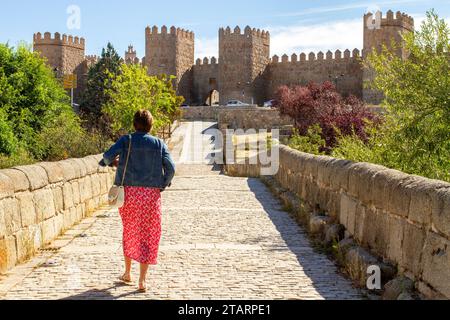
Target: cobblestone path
<point>223,238</point>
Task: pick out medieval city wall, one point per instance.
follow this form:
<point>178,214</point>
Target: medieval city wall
<point>342,69</point>
<point>39,202</point>
<point>205,75</point>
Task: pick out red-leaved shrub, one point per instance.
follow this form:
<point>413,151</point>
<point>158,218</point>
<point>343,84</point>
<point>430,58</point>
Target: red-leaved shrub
<point>321,104</point>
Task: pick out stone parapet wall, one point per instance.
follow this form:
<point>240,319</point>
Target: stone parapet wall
<point>238,118</point>
<point>39,202</point>
<point>402,219</point>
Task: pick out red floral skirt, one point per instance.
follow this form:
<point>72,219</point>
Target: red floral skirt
<point>141,218</point>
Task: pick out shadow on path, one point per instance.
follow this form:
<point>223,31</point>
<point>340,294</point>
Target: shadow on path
<point>103,294</point>
<point>318,267</point>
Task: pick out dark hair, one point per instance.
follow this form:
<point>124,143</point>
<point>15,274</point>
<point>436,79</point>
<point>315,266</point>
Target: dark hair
<point>143,121</point>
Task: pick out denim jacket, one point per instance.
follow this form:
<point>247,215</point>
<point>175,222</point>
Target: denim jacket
<point>150,164</point>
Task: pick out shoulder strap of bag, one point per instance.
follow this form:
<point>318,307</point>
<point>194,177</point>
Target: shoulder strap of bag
<point>126,163</point>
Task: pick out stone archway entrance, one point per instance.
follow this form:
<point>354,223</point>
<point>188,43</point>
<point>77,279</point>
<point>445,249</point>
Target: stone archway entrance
<point>213,98</point>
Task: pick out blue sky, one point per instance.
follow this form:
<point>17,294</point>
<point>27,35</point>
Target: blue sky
<point>295,25</point>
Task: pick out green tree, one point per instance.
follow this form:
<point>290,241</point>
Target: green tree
<point>30,96</point>
<point>416,135</point>
<point>97,91</point>
<point>133,89</point>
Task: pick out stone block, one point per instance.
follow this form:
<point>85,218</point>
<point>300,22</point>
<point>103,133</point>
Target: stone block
<point>369,234</point>
<point>361,181</point>
<point>36,175</point>
<point>44,204</point>
<point>49,232</point>
<point>91,164</point>
<point>324,172</point>
<point>413,246</point>
<point>396,227</point>
<point>8,254</point>
<point>27,209</point>
<point>69,171</point>
<point>11,212</point>
<point>18,179</point>
<point>58,199</point>
<point>6,186</point>
<point>55,172</point>
<point>85,189</point>
<point>67,193</point>
<point>360,222</point>
<point>400,194</point>
<point>96,187</point>
<point>59,224</point>
<point>395,288</point>
<point>384,183</point>
<point>79,166</point>
<point>348,213</point>
<point>76,192</point>
<point>420,209</point>
<point>28,241</point>
<point>382,235</point>
<point>339,174</point>
<point>441,211</point>
<point>436,263</point>
<point>104,188</point>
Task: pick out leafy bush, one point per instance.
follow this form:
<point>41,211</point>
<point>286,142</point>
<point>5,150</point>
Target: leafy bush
<point>37,121</point>
<point>416,136</point>
<point>133,89</point>
<point>322,105</point>
<point>312,142</point>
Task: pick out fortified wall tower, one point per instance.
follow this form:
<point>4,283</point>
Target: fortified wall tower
<point>380,31</point>
<point>243,58</point>
<point>171,53</point>
<point>65,55</point>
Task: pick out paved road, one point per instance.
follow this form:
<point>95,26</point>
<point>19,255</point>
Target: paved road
<point>223,238</point>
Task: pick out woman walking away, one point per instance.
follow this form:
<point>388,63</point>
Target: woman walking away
<point>145,169</point>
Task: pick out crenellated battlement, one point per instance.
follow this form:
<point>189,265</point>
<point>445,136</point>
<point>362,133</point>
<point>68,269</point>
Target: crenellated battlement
<point>173,31</point>
<point>247,32</point>
<point>320,56</point>
<point>58,40</point>
<point>92,58</point>
<point>398,19</point>
<point>206,61</point>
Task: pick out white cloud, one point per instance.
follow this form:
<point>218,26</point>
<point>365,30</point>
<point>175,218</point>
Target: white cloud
<point>344,34</point>
<point>206,47</point>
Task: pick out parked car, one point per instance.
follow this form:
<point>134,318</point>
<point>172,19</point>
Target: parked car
<point>237,103</point>
<point>184,106</point>
<point>270,103</point>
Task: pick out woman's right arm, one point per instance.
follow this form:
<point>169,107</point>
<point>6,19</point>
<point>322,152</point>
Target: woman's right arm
<point>111,155</point>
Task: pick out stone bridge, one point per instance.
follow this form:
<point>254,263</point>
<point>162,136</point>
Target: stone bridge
<point>228,236</point>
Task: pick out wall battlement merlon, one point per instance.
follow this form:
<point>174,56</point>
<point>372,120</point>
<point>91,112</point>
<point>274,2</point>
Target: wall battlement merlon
<point>206,61</point>
<point>57,39</point>
<point>320,56</point>
<point>247,32</point>
<point>391,19</point>
<point>173,31</point>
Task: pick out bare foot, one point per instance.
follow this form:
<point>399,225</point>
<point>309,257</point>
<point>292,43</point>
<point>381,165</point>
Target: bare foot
<point>142,286</point>
<point>125,278</point>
